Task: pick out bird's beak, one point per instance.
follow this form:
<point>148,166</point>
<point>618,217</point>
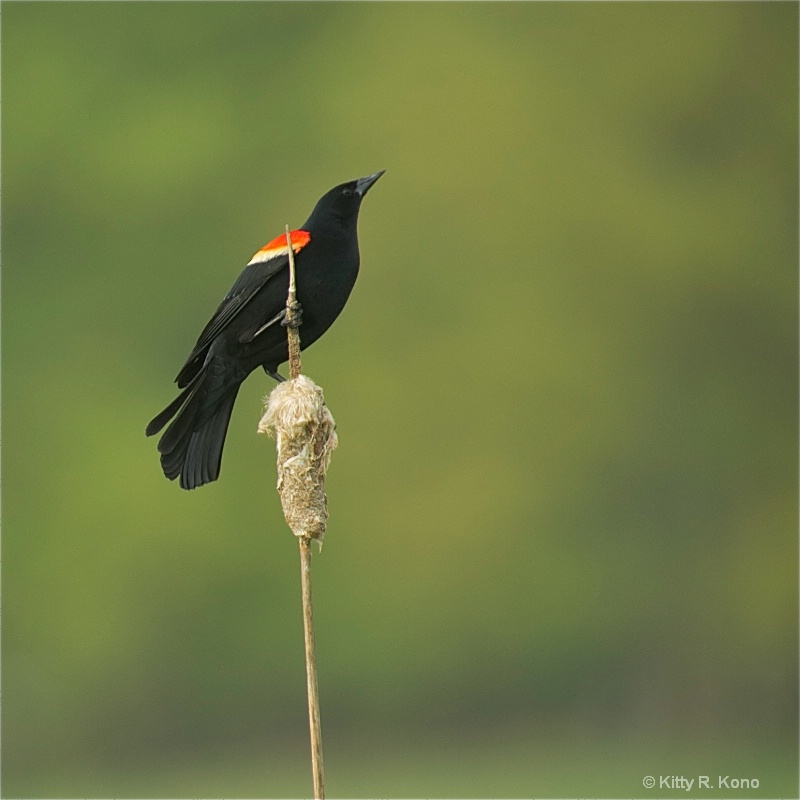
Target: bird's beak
<point>363,184</point>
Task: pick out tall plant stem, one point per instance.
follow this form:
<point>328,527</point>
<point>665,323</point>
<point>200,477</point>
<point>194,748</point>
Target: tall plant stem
<point>311,670</point>
<point>292,324</point>
<point>314,728</point>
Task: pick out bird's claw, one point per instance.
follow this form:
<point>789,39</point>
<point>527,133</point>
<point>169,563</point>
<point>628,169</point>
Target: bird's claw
<point>293,317</point>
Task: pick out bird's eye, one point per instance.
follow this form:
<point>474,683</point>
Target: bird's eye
<point>347,192</point>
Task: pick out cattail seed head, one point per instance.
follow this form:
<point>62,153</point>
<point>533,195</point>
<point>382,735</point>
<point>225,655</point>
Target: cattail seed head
<point>296,416</point>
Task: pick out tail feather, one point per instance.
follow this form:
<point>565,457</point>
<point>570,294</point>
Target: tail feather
<point>159,421</point>
<point>203,457</point>
<point>184,423</point>
<point>191,447</point>
<point>172,461</point>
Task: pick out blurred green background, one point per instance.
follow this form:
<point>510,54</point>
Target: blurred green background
<point>562,552</point>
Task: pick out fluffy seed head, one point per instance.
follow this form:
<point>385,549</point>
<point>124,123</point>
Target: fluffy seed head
<point>305,433</point>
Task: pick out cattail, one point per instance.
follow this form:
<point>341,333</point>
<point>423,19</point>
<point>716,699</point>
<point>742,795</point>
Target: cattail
<point>305,433</point>
<point>297,418</point>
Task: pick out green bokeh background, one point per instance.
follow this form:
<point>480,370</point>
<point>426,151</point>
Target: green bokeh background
<point>562,552</point>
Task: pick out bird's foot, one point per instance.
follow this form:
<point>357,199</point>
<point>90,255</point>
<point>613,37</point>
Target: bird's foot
<point>293,318</point>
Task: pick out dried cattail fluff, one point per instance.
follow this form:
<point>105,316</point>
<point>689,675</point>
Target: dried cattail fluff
<point>305,433</point>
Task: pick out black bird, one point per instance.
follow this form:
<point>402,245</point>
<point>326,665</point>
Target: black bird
<point>246,330</point>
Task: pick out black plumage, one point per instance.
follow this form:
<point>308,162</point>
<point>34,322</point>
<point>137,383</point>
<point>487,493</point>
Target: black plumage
<point>246,332</point>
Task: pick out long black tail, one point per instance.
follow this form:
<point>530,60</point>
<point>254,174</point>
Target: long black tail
<point>191,446</point>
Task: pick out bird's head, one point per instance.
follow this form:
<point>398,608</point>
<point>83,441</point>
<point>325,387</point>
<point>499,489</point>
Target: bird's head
<point>343,201</point>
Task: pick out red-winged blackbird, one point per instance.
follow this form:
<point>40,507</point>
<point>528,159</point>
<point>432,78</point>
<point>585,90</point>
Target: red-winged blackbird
<point>246,330</point>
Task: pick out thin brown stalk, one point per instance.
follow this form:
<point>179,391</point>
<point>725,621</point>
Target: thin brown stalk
<point>311,670</point>
<point>292,323</point>
<point>315,731</point>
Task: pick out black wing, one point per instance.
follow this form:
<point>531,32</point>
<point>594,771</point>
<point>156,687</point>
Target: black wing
<point>253,278</point>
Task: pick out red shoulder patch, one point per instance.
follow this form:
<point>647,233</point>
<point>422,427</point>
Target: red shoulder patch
<point>277,247</point>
